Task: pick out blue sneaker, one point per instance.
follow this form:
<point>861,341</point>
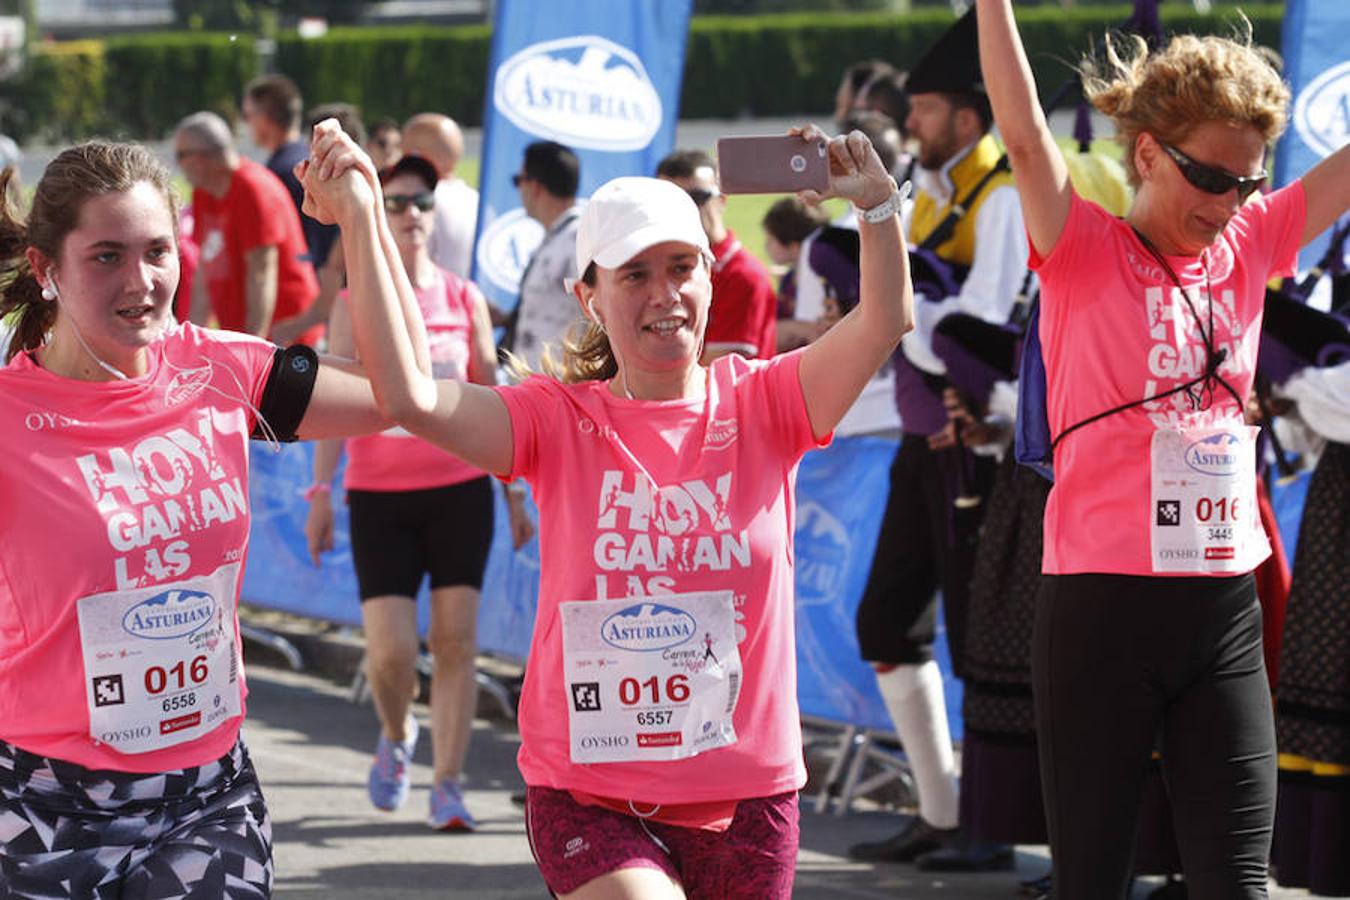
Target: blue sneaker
<point>389,776</point>
<point>448,812</point>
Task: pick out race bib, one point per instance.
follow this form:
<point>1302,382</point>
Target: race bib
<point>1205,517</point>
<point>650,678</point>
<point>161,663</point>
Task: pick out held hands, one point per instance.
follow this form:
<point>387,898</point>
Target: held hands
<point>856,172</point>
<point>339,179</point>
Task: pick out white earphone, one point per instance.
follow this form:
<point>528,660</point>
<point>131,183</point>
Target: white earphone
<point>595,317</point>
<point>51,291</point>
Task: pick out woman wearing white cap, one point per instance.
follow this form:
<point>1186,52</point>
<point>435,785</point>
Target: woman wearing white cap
<point>659,726</point>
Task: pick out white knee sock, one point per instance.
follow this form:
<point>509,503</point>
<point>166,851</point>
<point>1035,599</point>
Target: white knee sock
<point>914,699</point>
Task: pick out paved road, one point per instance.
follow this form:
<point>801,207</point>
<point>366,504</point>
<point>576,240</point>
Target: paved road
<point>312,746</point>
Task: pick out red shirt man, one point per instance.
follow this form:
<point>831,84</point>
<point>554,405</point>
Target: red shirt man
<point>743,315</point>
<point>255,212</point>
<point>253,268</point>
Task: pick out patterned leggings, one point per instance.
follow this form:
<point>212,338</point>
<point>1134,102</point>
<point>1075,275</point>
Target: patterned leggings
<point>71,832</point>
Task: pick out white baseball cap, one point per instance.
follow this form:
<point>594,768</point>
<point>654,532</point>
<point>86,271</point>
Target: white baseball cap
<point>627,215</point>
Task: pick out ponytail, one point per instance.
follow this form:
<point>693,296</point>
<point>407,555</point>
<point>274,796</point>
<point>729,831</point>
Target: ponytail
<point>20,294</point>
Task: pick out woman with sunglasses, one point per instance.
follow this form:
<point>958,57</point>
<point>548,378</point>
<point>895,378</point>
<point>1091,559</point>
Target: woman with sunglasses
<point>416,511</point>
<point>1147,618</point>
<point>660,737</point>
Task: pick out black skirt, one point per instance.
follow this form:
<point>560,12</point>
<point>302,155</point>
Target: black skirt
<point>1312,819</point>
<point>1000,775</point>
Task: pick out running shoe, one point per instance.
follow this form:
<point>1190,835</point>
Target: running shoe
<point>448,812</point>
<point>390,777</point>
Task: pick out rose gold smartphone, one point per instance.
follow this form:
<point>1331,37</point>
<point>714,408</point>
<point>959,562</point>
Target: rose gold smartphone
<point>775,164</point>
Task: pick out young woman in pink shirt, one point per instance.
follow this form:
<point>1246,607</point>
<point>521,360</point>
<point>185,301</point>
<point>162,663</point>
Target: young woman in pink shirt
<point>660,739</point>
<point>124,518</point>
<point>1147,618</point>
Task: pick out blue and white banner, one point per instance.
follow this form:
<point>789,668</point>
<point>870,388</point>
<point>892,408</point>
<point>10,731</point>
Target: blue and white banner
<point>1317,67</point>
<point>841,495</point>
<point>600,76</point>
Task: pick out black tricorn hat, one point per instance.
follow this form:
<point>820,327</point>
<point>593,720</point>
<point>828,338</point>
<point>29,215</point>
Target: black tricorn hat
<point>952,65</point>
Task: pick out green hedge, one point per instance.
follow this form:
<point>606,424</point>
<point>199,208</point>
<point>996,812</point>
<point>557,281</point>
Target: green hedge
<point>790,64</point>
<point>60,93</point>
<point>155,81</point>
<point>735,66</point>
<point>393,72</point>
<point>136,87</point>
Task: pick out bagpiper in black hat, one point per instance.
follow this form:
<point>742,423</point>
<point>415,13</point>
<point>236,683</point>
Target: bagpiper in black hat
<point>952,66</point>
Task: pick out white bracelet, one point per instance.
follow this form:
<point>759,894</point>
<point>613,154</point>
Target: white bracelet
<point>886,208</point>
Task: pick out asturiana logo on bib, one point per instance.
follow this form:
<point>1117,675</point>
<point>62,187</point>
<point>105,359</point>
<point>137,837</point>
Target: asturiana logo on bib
<point>1320,112</point>
<point>648,626</point>
<point>585,91</point>
<point>1215,455</point>
<point>171,614</point>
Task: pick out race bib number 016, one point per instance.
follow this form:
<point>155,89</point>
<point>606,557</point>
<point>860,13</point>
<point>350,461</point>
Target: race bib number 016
<point>161,664</point>
<point>650,678</point>
<point>1205,517</point>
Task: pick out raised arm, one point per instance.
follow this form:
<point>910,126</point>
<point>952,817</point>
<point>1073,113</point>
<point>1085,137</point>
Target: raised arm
<point>836,367</point>
<point>468,420</point>
<point>1327,187</point>
<point>1038,165</point>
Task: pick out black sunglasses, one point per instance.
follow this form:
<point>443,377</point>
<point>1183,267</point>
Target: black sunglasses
<point>517,178</point>
<point>397,203</point>
<point>1210,179</point>
<point>700,196</point>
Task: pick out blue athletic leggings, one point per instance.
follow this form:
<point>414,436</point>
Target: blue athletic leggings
<point>1121,661</point>
<point>70,832</point>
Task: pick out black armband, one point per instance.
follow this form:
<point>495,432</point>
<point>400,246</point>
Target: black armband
<point>286,396</point>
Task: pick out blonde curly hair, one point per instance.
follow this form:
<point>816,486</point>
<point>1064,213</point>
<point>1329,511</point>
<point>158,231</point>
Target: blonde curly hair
<point>1191,80</point>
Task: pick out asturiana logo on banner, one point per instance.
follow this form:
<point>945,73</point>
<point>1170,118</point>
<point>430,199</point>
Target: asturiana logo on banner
<point>648,626</point>
<point>1322,110</point>
<point>824,548</point>
<point>505,248</point>
<point>169,614</point>
<point>583,91</point>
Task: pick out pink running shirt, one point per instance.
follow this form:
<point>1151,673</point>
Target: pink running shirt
<point>728,461</point>
<point>395,459</point>
<point>110,486</point>
<point>1115,329</point>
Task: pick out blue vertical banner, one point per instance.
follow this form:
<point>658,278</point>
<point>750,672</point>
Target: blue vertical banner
<point>1317,67</point>
<point>600,76</point>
